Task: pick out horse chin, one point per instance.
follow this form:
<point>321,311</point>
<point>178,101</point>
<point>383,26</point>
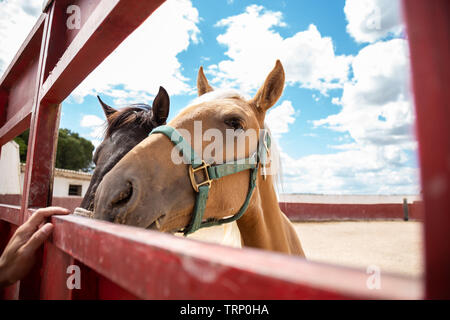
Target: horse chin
<point>172,226</point>
<point>83,213</point>
<point>156,224</point>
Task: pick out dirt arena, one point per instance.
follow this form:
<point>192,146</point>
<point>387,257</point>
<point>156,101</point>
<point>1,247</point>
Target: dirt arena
<point>394,246</point>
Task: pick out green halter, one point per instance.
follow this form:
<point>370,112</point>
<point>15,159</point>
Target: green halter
<point>214,172</point>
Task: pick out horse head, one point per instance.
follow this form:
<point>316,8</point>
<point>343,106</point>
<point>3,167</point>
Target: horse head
<point>125,128</point>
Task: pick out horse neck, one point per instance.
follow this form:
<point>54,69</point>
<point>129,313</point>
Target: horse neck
<point>264,225</point>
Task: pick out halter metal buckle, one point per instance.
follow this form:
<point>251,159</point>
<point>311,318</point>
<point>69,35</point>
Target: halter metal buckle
<point>192,172</point>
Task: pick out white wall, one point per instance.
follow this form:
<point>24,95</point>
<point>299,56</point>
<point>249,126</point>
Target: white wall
<point>61,186</point>
<point>10,169</point>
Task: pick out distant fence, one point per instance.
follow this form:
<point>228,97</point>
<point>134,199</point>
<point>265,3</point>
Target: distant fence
<point>342,211</point>
<point>66,202</point>
<point>351,207</point>
<point>297,211</point>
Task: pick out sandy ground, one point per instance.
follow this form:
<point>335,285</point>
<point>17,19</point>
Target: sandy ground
<point>393,246</point>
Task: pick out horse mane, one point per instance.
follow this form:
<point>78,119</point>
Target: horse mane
<point>276,167</point>
<point>127,116</point>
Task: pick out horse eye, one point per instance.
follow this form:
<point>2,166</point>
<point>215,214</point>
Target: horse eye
<point>234,123</point>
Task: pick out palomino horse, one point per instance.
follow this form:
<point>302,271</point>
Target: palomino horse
<point>125,129</point>
<point>151,188</point>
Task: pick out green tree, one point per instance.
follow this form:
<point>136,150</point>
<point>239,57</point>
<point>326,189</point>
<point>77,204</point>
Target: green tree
<point>22,141</point>
<point>73,152</point>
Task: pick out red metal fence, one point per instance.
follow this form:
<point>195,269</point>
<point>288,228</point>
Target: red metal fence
<point>351,211</point>
<point>124,262</point>
<point>295,211</point>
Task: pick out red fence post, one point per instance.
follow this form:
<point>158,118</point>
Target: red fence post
<point>38,177</point>
<point>428,26</point>
<point>6,231</point>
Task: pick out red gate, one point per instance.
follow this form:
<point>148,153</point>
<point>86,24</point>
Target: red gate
<point>124,262</point>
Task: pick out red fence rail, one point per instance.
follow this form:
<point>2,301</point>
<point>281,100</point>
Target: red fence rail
<point>295,211</point>
<point>125,262</point>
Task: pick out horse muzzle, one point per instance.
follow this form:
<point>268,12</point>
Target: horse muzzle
<point>116,198</point>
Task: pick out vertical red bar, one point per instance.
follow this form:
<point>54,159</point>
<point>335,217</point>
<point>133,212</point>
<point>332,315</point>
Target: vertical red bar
<point>3,104</point>
<point>428,28</point>
<point>38,178</point>
<point>54,274</point>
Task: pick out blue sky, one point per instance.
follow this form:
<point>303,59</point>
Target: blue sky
<point>345,121</point>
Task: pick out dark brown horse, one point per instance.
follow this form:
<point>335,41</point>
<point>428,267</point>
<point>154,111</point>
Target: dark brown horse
<point>125,129</point>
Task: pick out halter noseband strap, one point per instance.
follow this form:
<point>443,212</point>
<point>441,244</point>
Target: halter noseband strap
<point>214,172</point>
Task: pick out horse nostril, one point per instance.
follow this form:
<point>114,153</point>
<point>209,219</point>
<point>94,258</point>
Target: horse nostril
<point>124,196</point>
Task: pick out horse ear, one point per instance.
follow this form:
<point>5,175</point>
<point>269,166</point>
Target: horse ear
<point>106,109</point>
<point>160,106</point>
<point>272,89</point>
<point>202,83</point>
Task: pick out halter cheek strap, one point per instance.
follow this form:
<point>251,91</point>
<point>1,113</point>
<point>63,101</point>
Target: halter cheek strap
<point>214,172</point>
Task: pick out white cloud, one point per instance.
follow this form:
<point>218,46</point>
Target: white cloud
<point>91,120</point>
<point>96,125</point>
<point>372,20</point>
<point>280,117</point>
<point>377,160</point>
<point>253,45</point>
<point>17,18</point>
<point>345,146</point>
<point>376,104</point>
<point>365,170</point>
<point>378,115</point>
<point>148,57</point>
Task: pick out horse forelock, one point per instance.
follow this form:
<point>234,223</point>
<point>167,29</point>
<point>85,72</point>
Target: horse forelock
<point>217,95</point>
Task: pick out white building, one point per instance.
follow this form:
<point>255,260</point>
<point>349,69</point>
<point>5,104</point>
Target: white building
<point>10,169</point>
<point>66,182</point>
